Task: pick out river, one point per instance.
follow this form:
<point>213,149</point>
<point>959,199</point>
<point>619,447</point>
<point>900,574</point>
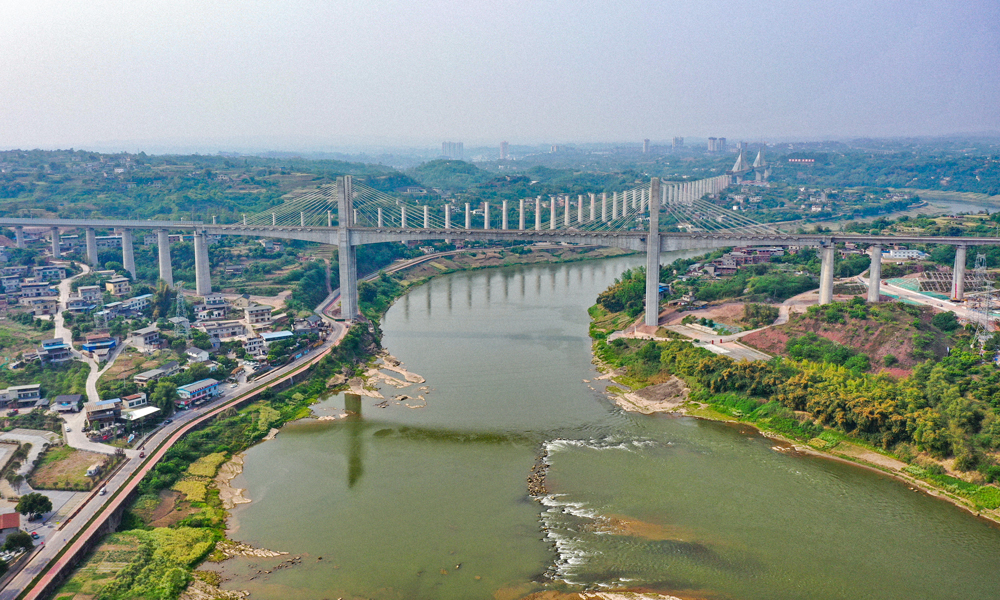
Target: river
<point>432,502</point>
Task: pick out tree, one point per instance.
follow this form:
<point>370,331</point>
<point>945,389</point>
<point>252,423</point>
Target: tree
<point>19,540</point>
<point>945,321</point>
<point>164,397</point>
<point>34,504</point>
<point>200,339</point>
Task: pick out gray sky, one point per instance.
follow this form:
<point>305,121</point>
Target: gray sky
<point>231,74</point>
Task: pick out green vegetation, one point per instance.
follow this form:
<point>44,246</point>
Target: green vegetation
<point>759,315</point>
<point>626,294</point>
<point>33,504</point>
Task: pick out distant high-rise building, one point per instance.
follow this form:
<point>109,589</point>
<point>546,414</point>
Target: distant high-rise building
<point>678,142</point>
<point>722,144</point>
<point>713,144</point>
<point>555,148</point>
<point>645,146</point>
<point>453,150</point>
<point>503,150</point>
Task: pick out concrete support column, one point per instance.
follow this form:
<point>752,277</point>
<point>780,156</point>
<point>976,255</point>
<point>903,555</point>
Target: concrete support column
<point>91,247</point>
<point>538,213</point>
<point>427,217</point>
<point>329,219</point>
<point>520,215</point>
<point>274,219</point>
<point>604,207</point>
<point>504,222</point>
<point>826,274</point>
<point>128,256</point>
<point>447,216</point>
<point>402,217</point>
<point>381,222</point>
<point>958,275</point>
<point>302,219</point>
<point>202,268</point>
<point>55,242</point>
<point>875,274</point>
<point>593,207</point>
<point>346,253</point>
<point>614,206</point>
<point>468,216</point>
<point>579,209</point>
<point>553,215</point>
<point>566,211</point>
<point>486,215</point>
<point>19,236</point>
<point>653,256</point>
<point>163,249</point>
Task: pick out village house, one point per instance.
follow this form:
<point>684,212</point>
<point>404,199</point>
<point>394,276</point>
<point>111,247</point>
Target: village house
<point>118,286</point>
<point>146,339</point>
<point>258,314</point>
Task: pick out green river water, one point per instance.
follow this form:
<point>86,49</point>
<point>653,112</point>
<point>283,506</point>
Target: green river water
<point>432,502</point>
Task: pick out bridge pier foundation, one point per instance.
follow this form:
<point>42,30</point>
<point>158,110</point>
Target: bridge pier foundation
<point>653,256</point>
<point>346,252</point>
<point>958,275</point>
<point>55,242</point>
<point>875,274</point>
<point>92,247</point>
<point>163,251</point>
<point>128,255</point>
<point>202,268</point>
<point>826,274</point>
<point>19,236</point>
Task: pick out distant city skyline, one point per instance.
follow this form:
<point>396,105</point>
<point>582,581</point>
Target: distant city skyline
<point>388,73</point>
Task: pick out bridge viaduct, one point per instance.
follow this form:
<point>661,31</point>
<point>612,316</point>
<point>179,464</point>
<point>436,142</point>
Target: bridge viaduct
<point>346,235</point>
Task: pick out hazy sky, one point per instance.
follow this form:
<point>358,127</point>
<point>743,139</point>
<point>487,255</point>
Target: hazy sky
<point>245,74</point>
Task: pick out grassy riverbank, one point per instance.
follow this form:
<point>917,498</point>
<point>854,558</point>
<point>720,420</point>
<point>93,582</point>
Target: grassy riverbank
<point>933,429</point>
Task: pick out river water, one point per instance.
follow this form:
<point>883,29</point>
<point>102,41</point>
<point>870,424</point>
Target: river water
<point>432,502</point>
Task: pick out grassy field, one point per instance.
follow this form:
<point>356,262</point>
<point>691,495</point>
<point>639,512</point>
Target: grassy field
<point>16,338</point>
<point>63,468</point>
<point>130,362</point>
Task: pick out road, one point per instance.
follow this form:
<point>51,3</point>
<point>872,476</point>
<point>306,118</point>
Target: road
<point>134,469</point>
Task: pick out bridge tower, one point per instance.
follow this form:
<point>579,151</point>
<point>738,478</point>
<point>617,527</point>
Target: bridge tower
<point>653,256</point>
<point>128,254</point>
<point>346,252</point>
<point>202,268</point>
<point>163,252</point>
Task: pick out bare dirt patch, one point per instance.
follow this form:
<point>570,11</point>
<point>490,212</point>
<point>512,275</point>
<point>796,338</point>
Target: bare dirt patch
<point>661,397</point>
<point>63,467</point>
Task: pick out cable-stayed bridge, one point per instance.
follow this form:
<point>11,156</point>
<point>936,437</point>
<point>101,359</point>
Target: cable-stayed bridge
<point>654,217</point>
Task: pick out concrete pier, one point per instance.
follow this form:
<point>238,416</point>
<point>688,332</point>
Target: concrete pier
<point>593,207</point>
<point>346,255</point>
<point>468,216</point>
<point>427,217</point>
<point>128,255</point>
<point>553,214</point>
<point>614,206</point>
<point>163,249</point>
<point>604,207</point>
<point>538,213</point>
<point>566,211</point>
<point>92,247</point>
<point>875,274</point>
<point>520,215</point>
<point>381,222</point>
<point>402,217</point>
<point>826,274</point>
<point>447,216</point>
<point>19,236</point>
<point>653,256</point>
<point>958,274</point>
<point>486,215</point>
<point>202,268</point>
<point>55,242</point>
<point>504,220</point>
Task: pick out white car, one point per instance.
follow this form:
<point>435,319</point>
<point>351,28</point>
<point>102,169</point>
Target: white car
<point>68,430</point>
<point>232,385</point>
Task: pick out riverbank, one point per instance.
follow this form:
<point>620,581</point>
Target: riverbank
<point>651,389</point>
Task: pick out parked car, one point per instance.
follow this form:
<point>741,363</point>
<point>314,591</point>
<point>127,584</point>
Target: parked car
<point>142,454</point>
<point>34,535</point>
